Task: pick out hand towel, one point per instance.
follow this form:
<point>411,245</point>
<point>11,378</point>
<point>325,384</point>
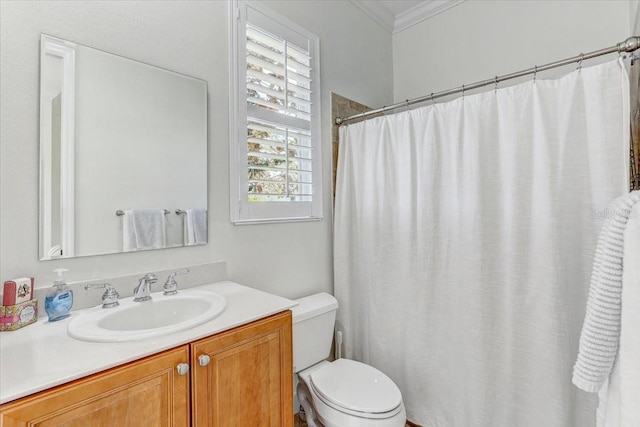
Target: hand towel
<point>200,225</point>
<point>601,328</point>
<point>128,233</point>
<point>619,404</point>
<point>195,227</point>
<point>144,229</point>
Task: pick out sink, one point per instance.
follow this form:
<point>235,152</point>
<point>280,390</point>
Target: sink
<point>132,321</point>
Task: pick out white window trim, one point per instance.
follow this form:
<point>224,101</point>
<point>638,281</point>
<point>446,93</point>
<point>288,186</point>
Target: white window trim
<point>238,195</point>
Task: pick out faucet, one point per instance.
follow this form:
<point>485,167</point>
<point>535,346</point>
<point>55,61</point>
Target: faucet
<point>142,292</point>
<point>171,286</point>
<point>110,296</point>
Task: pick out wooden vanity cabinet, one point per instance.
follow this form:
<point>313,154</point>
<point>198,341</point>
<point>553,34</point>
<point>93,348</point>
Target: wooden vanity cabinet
<point>244,377</point>
<point>241,377</point>
<point>146,392</point>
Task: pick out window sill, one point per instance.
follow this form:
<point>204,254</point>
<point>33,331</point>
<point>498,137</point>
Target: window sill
<point>275,220</point>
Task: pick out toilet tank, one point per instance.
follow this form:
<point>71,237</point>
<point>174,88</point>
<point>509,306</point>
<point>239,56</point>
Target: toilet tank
<point>313,321</point>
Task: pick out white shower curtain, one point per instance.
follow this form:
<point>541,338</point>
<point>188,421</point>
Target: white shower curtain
<point>464,237</point>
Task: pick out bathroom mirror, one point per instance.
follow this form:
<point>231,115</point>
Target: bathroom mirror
<point>120,141</point>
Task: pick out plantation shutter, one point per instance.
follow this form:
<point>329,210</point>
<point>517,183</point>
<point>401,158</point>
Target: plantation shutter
<point>279,101</point>
<point>278,154</point>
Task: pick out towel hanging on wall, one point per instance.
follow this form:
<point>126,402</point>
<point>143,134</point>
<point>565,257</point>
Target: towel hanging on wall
<point>601,329</point>
<point>619,396</point>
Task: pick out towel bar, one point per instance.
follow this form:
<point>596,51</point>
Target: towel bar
<point>120,212</point>
<point>181,211</point>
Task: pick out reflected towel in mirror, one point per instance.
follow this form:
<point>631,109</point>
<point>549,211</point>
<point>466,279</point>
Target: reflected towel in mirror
<point>143,229</point>
<point>195,227</point>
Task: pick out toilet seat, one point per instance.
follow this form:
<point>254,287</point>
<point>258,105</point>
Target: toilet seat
<point>356,389</point>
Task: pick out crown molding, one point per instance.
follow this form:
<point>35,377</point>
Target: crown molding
<point>394,24</point>
<point>427,9</point>
<point>378,12</point>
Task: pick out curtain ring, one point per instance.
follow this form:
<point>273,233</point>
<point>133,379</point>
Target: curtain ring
<point>496,83</point>
<point>433,101</point>
<point>580,62</point>
<point>535,73</point>
<point>463,90</point>
<point>407,104</point>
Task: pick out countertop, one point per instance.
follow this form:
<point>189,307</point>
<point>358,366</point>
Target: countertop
<point>42,355</point>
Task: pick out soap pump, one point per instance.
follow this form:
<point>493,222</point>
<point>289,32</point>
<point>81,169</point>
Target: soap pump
<point>59,300</point>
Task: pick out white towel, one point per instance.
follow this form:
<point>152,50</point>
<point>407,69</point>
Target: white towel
<point>128,233</point>
<point>620,397</point>
<point>195,227</point>
<point>601,328</point>
<point>143,229</point>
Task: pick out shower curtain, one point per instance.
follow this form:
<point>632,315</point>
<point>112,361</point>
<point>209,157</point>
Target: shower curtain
<point>464,240</point>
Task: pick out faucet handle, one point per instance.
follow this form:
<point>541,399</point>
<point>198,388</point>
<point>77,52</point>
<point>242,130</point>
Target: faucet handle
<point>171,286</point>
<point>150,278</point>
<point>110,296</point>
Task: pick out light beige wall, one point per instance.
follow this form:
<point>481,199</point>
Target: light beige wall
<point>189,37</point>
<point>479,39</point>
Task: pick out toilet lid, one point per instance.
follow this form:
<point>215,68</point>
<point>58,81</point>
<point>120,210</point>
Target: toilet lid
<point>355,386</point>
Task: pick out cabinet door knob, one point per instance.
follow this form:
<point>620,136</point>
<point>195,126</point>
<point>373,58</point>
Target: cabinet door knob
<point>183,368</point>
<point>204,359</point>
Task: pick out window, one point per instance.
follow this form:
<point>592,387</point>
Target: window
<point>275,133</point>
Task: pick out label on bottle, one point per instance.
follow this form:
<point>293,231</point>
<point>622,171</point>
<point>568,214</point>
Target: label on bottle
<point>59,305</point>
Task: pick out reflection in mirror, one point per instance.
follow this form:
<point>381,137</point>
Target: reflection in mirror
<point>123,154</point>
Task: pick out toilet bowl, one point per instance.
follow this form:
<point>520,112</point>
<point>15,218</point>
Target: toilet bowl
<point>342,393</point>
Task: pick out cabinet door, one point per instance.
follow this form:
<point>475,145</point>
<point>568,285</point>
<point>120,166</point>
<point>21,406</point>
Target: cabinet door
<point>247,380</point>
<point>148,392</point>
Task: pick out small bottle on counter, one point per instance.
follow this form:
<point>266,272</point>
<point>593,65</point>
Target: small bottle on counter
<point>59,300</point>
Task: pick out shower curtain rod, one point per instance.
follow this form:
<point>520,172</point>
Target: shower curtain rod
<point>629,45</point>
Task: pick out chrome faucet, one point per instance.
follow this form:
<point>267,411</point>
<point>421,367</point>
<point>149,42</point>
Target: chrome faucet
<point>110,296</point>
<point>142,292</point>
<point>171,286</point>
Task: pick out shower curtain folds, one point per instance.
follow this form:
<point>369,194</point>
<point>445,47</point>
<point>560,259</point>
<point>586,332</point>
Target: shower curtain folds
<point>464,237</point>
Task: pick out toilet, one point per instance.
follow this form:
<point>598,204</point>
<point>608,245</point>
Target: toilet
<point>342,393</point>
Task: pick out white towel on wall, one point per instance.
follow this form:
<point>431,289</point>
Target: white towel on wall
<point>601,328</point>
<point>195,227</point>
<point>144,229</point>
<point>620,397</point>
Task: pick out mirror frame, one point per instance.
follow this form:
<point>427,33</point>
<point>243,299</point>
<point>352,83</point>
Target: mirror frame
<point>65,52</point>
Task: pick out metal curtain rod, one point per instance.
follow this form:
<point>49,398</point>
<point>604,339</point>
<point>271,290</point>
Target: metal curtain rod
<point>629,45</point>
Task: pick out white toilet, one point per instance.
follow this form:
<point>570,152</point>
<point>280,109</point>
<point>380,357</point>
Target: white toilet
<point>343,393</point>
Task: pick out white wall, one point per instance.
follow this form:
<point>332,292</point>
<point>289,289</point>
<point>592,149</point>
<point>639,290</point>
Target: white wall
<point>634,14</point>
<point>479,39</point>
<point>190,38</point>
<point>355,55</point>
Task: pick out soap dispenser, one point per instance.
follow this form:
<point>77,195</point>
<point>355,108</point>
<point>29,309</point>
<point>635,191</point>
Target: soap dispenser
<point>59,300</point>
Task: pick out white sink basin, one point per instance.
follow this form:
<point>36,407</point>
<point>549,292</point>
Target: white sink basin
<point>132,321</point>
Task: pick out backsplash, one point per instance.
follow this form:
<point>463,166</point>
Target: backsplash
<point>198,275</point>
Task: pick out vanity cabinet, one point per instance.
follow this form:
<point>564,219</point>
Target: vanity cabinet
<point>244,377</point>
<point>241,377</point>
<point>146,392</point>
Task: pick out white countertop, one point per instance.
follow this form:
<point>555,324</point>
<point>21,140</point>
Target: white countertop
<point>42,355</point>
